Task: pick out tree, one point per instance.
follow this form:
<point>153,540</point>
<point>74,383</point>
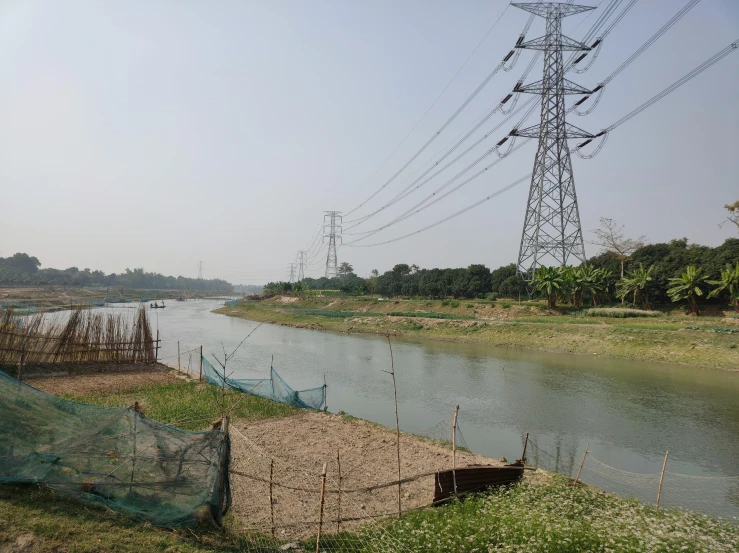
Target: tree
<point>610,237</point>
<point>375,273</point>
<point>729,282</point>
<point>345,269</point>
<point>637,283</point>
<point>688,287</point>
<point>549,280</point>
<point>733,216</point>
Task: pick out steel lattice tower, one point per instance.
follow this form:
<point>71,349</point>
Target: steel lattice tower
<point>551,230</point>
<point>332,231</point>
<point>301,258</point>
<point>291,272</point>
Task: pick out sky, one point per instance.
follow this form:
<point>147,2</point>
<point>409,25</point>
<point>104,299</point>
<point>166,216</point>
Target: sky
<point>161,134</point>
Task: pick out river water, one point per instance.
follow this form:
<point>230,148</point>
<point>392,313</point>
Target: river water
<point>629,412</point>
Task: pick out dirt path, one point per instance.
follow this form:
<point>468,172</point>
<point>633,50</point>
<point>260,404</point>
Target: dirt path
<point>299,446</point>
<point>110,380</point>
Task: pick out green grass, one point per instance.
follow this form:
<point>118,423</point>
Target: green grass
<point>619,312</point>
<point>427,315</point>
<point>190,405</point>
<point>560,518</point>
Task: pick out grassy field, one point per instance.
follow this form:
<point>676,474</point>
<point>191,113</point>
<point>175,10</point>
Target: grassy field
<point>544,514</point>
<point>709,341</point>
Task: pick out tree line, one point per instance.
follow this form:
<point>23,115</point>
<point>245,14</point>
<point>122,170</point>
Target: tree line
<point>652,274</point>
<point>23,269</point>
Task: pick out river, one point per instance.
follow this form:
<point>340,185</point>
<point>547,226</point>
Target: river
<point>629,412</point>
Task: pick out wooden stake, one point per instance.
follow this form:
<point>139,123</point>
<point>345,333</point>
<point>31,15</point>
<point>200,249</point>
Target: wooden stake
<point>201,363</point>
<point>179,367</point>
<point>271,502</point>
<point>325,394</point>
<point>397,426</point>
<point>320,512</point>
<point>338,518</point>
<point>218,511</point>
<point>661,477</point>
<point>587,446</point>
<point>133,457</point>
<point>454,449</point>
<point>525,444</point>
<point>156,350</point>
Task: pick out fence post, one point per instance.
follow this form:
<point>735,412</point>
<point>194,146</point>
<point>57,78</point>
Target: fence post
<point>325,394</point>
<point>661,477</point>
<point>338,518</point>
<point>320,512</point>
<point>223,477</point>
<point>201,363</point>
<point>525,445</point>
<point>156,350</point>
<point>271,502</point>
<point>179,367</point>
<point>587,446</point>
<point>454,449</point>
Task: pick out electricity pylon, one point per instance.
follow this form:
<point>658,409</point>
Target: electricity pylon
<point>332,231</point>
<point>551,232</point>
<point>291,272</point>
<point>301,258</point>
<point>200,270</point>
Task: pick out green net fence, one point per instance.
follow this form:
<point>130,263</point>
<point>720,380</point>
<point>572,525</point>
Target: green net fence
<point>116,457</point>
<point>274,388</point>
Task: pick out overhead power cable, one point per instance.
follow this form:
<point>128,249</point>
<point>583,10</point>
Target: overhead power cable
<point>602,20</point>
<point>654,99</point>
<point>638,52</point>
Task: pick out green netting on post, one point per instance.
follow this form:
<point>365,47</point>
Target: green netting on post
<point>116,457</point>
<point>274,388</point>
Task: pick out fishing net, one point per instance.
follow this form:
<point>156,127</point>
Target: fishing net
<point>274,388</point>
<point>116,457</point>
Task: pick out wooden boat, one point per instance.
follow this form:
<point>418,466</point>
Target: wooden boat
<point>157,306</point>
<point>474,478</point>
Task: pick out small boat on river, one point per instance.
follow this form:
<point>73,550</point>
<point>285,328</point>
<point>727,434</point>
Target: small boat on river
<point>157,306</point>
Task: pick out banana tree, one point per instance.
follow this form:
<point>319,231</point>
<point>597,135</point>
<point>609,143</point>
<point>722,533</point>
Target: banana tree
<point>728,282</point>
<point>688,287</point>
<point>636,283</point>
<point>549,280</point>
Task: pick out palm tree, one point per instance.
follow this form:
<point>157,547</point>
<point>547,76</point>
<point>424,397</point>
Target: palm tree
<point>688,287</point>
<point>549,280</point>
<point>729,281</point>
<point>637,283</point>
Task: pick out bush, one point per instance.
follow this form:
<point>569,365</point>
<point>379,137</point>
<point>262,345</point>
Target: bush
<point>619,312</point>
<point>454,304</point>
<point>733,315</point>
<point>470,305</point>
<point>444,303</point>
<point>491,296</point>
<point>506,305</point>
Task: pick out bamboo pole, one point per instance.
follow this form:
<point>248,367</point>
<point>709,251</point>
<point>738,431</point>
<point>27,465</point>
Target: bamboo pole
<point>525,445</point>
<point>133,459</point>
<point>156,354</point>
<point>320,512</point>
<point>661,477</point>
<point>325,394</point>
<point>179,367</point>
<point>201,363</point>
<point>218,514</point>
<point>454,449</point>
<point>271,501</point>
<point>397,425</point>
<point>587,446</point>
<point>338,518</point>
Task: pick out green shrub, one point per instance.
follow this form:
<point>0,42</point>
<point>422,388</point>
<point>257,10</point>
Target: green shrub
<point>454,304</point>
<point>733,315</point>
<point>444,303</point>
<point>618,312</point>
<point>506,305</point>
<point>470,305</point>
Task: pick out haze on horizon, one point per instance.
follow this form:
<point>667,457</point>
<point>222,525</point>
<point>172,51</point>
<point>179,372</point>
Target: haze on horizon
<point>160,134</point>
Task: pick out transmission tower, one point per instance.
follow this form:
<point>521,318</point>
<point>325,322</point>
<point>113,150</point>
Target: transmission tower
<point>332,231</point>
<point>302,262</point>
<point>200,270</point>
<point>291,272</point>
<point>551,230</point>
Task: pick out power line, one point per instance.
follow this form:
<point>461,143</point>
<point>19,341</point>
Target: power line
<point>433,103</point>
<point>671,88</point>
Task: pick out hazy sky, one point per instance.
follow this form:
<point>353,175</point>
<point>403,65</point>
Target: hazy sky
<point>159,134</point>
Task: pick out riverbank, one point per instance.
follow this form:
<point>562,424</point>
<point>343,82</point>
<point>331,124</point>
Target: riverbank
<point>543,510</point>
<point>710,341</point>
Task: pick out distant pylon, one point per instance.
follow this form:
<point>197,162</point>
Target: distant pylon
<point>551,232</point>
<point>200,270</point>
<point>291,272</point>
<point>332,231</point>
<point>302,261</point>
